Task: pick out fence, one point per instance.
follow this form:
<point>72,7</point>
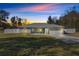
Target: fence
<point>16,31</point>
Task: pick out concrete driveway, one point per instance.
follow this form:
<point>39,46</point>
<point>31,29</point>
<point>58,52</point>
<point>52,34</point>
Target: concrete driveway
<point>68,39</point>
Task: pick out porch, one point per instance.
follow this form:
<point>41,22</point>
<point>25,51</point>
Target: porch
<point>39,31</point>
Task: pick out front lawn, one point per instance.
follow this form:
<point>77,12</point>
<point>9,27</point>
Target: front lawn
<point>36,46</point>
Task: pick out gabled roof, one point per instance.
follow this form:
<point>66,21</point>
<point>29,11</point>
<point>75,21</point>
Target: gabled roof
<point>42,25</point>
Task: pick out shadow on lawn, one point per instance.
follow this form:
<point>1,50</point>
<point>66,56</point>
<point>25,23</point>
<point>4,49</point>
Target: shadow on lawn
<point>36,46</point>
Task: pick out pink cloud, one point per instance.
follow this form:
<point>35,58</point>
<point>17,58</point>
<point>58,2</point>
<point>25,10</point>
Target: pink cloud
<point>37,8</point>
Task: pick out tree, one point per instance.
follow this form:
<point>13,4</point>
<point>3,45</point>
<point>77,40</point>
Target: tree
<point>14,22</point>
<point>70,19</point>
<point>51,20</point>
<point>3,16</point>
<point>55,20</point>
<point>19,22</point>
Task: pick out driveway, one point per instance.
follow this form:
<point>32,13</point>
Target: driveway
<point>68,39</point>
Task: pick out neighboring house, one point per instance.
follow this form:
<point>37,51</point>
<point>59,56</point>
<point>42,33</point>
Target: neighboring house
<point>69,30</point>
<point>42,28</point>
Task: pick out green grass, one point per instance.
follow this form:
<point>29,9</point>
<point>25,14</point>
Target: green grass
<point>5,35</point>
<point>35,45</point>
<point>22,46</point>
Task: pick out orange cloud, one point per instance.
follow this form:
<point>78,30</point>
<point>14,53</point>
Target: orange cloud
<point>36,8</point>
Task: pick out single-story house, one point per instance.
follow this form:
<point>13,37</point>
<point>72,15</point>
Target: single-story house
<point>38,28</point>
<point>44,28</point>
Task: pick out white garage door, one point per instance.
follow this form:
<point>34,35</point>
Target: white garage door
<point>55,33</point>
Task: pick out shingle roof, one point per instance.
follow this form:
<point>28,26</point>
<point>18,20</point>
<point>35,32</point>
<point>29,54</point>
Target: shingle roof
<point>42,25</point>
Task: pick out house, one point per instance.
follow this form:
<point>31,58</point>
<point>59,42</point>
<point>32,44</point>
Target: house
<point>44,28</point>
<point>69,30</point>
<point>38,29</point>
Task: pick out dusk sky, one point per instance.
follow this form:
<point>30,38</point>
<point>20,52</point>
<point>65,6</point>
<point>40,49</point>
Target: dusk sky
<point>36,12</point>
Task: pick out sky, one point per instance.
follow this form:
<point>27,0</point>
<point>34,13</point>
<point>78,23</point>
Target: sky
<point>37,12</point>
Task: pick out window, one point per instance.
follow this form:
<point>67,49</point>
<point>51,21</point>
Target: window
<point>37,30</point>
